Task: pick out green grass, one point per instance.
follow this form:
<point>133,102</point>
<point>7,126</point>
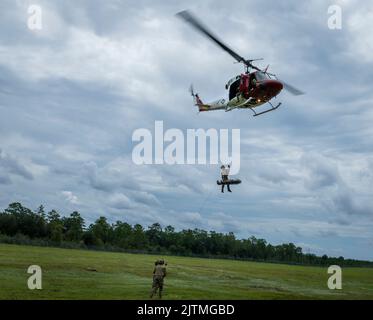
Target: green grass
<point>66,275</point>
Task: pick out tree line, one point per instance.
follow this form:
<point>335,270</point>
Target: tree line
<point>19,224</point>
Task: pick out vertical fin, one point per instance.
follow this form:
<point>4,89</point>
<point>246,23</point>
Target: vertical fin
<point>197,100</point>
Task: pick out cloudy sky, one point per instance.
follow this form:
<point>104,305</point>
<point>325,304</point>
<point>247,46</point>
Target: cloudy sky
<point>72,94</point>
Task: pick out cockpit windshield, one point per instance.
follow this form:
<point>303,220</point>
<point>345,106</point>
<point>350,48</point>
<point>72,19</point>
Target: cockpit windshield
<point>260,76</point>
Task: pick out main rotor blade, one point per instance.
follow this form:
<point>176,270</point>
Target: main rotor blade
<point>291,89</point>
<point>193,21</point>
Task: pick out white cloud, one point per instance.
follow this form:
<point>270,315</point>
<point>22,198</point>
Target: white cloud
<point>120,201</point>
<point>360,25</point>
<point>70,197</point>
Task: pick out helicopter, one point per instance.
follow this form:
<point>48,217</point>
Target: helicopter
<point>251,89</point>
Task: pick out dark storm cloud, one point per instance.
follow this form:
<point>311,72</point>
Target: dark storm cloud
<point>324,176</point>
<point>274,174</point>
<point>323,171</point>
<point>12,165</point>
<point>328,233</point>
<point>113,176</point>
<point>344,201</point>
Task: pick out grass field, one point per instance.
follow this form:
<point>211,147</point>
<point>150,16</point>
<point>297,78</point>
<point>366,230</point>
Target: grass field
<point>66,275</point>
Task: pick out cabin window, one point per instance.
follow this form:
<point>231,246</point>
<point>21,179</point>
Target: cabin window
<point>233,89</point>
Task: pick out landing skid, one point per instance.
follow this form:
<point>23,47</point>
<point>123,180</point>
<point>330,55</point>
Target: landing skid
<point>269,110</point>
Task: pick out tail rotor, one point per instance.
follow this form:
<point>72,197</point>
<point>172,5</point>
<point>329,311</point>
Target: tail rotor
<point>191,90</point>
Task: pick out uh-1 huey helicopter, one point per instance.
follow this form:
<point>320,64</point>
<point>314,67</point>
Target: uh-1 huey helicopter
<point>247,90</point>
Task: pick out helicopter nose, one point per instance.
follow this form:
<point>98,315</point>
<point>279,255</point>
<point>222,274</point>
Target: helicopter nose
<point>275,86</point>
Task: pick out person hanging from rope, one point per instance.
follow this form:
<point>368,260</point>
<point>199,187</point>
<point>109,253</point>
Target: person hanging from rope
<point>225,177</point>
<point>225,180</point>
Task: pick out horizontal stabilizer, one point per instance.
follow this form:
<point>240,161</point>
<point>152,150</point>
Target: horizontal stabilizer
<point>203,107</point>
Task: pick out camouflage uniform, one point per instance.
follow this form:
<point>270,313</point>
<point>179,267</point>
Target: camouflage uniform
<point>158,275</point>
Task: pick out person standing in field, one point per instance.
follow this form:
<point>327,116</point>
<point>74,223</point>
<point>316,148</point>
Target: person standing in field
<point>159,273</point>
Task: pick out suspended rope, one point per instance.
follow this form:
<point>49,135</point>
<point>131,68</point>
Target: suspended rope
<point>205,200</point>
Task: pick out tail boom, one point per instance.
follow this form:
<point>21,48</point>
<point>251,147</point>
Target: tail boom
<point>202,107</point>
